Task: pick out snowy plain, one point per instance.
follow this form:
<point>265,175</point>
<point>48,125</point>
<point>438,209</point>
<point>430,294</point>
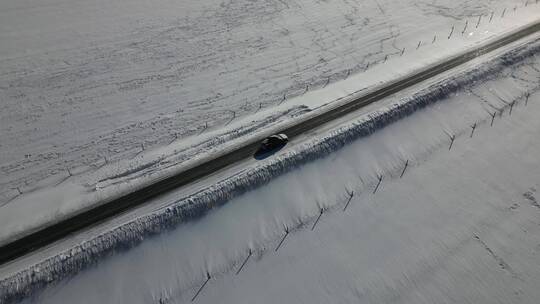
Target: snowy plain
<point>130,91</point>
<point>461,225</point>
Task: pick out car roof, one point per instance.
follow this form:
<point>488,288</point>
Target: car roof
<point>279,136</point>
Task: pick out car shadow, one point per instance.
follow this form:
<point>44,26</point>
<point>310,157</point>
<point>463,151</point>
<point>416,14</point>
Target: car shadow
<point>260,155</point>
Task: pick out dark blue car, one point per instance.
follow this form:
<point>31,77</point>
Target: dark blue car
<point>271,145</point>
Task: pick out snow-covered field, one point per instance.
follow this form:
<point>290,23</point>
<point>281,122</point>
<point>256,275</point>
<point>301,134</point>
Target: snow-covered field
<point>97,96</point>
<point>460,225</point>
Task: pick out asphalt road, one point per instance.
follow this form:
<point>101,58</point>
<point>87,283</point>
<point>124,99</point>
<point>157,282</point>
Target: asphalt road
<point>85,219</point>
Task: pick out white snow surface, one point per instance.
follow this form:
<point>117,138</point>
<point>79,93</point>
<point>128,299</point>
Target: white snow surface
<point>461,225</point>
<point>99,98</point>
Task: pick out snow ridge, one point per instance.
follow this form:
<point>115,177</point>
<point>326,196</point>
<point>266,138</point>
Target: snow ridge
<point>124,237</point>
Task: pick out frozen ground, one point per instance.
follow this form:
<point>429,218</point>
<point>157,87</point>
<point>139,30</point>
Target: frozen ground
<point>97,96</point>
<point>461,225</point>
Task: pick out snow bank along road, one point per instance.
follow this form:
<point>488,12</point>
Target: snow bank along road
<point>54,232</point>
<point>439,206</point>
